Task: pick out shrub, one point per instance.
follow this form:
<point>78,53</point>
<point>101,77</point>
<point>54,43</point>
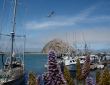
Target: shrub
<point>97,76</point>
<point>67,77</point>
<point>78,71</point>
<point>105,77</point>
<point>31,78</point>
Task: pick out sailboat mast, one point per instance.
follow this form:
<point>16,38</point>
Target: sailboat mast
<point>12,33</point>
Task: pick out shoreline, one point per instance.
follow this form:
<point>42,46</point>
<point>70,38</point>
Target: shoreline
<point>22,53</point>
<point>32,53</point>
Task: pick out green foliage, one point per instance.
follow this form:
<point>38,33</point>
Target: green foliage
<point>71,82</point>
<point>80,83</point>
<point>31,78</point>
<point>105,77</point>
<point>78,71</point>
<point>97,76</point>
<point>67,77</point>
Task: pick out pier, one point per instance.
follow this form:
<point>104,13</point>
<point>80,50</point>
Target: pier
<point>2,55</point>
<point>105,62</point>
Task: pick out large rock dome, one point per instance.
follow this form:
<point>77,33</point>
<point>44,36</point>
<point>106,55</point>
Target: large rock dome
<point>58,45</point>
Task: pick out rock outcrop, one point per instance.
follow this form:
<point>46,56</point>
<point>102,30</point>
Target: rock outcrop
<point>58,45</point>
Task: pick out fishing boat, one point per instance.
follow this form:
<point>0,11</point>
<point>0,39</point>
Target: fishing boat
<point>70,62</point>
<point>107,57</point>
<point>13,69</point>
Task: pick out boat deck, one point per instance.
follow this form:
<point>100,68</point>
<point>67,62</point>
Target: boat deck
<point>10,75</point>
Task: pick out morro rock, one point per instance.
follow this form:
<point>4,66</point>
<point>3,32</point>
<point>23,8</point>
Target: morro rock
<point>58,45</point>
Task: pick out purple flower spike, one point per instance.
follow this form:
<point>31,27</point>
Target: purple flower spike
<point>38,80</point>
<point>53,76</point>
<point>89,81</point>
<point>86,66</point>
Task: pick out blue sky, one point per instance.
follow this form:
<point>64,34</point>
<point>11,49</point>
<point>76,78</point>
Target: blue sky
<point>72,16</point>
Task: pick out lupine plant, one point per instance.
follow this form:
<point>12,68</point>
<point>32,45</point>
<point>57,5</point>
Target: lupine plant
<point>97,76</point>
<point>105,77</point>
<point>31,78</point>
<point>53,76</point>
<point>86,66</point>
<point>89,81</point>
<point>67,77</point>
<point>38,80</point>
<point>78,71</point>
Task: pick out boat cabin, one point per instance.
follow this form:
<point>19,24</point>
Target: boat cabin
<point>16,62</point>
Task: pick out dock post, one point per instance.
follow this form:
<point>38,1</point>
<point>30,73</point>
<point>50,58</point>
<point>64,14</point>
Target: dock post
<point>2,60</point>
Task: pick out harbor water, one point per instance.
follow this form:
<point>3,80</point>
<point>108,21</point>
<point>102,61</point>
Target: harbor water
<point>36,63</point>
<point>33,62</point>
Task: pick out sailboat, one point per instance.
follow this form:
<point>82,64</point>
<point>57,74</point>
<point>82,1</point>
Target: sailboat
<point>13,70</point>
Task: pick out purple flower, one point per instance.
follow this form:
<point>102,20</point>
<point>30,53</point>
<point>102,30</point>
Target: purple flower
<point>38,80</point>
<point>53,76</point>
<point>89,81</point>
<point>86,66</point>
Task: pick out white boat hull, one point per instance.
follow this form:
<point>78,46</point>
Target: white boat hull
<point>72,67</point>
<point>72,62</point>
<point>100,66</point>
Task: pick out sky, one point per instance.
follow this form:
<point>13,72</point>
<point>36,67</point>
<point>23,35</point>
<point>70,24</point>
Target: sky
<point>71,19</point>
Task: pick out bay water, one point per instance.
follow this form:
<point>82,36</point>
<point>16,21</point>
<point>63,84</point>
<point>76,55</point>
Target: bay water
<point>36,62</point>
<point>33,62</point>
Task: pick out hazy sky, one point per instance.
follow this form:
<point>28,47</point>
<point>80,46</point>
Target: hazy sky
<point>70,16</point>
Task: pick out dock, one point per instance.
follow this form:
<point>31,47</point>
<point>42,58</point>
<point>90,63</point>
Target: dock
<point>2,55</point>
<point>95,66</point>
<point>105,62</point>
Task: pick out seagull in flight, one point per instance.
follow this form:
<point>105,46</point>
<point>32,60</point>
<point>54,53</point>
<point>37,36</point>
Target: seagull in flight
<point>50,14</point>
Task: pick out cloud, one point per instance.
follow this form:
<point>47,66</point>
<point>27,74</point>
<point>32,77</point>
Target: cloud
<point>61,21</point>
<point>96,37</point>
<point>47,24</point>
<point>95,28</point>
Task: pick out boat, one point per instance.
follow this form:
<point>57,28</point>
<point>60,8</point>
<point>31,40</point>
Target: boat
<point>94,58</point>
<point>95,62</point>
<point>107,57</point>
<point>13,70</point>
<point>45,65</point>
<point>70,62</point>
<point>100,66</point>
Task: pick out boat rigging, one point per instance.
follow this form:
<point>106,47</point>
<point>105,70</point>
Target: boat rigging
<point>13,71</point>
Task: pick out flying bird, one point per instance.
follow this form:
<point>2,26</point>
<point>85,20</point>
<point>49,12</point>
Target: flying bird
<point>50,14</point>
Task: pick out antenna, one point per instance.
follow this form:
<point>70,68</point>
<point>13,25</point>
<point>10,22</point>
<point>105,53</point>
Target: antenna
<point>2,19</point>
<point>81,39</point>
<point>86,48</point>
<point>73,38</point>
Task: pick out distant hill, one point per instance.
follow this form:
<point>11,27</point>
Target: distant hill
<point>58,45</point>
